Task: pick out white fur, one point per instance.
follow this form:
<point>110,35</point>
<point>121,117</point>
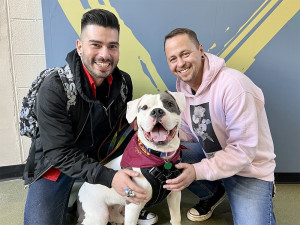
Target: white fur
<point>98,204</point>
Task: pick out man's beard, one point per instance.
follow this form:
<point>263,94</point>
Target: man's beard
<point>102,75</point>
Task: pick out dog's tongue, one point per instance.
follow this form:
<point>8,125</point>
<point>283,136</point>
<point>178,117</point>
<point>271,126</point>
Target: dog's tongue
<point>159,134</point>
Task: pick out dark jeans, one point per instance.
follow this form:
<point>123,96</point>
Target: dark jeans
<point>250,199</point>
<point>47,201</point>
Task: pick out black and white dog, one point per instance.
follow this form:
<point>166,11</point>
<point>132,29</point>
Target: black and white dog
<point>152,151</point>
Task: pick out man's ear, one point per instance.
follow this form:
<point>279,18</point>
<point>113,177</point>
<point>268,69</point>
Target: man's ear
<point>180,99</point>
<point>132,109</point>
<point>201,48</point>
<point>79,46</point>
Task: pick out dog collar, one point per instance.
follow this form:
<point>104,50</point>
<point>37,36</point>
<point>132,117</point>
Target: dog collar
<point>163,155</point>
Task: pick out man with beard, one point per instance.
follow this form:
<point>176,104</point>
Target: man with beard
<point>70,143</point>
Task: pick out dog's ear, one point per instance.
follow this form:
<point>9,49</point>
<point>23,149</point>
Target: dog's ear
<point>132,109</point>
<point>180,99</point>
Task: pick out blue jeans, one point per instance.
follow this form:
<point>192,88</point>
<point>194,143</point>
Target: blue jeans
<point>250,199</point>
<point>47,201</point>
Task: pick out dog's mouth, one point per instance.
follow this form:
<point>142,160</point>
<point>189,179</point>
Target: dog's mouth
<point>159,135</point>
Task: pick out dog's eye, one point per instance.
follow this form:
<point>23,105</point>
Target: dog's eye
<point>144,107</point>
<point>170,104</point>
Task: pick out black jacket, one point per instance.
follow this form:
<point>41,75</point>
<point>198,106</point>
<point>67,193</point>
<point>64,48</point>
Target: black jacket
<point>70,140</point>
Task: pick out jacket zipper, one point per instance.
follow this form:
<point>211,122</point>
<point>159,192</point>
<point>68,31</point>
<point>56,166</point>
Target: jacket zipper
<point>84,122</point>
<point>28,185</point>
<point>107,112</point>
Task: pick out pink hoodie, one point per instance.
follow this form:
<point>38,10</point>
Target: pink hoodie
<point>227,116</point>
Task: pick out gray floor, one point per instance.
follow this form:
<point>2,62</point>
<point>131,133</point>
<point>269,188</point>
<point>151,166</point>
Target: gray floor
<point>286,206</point>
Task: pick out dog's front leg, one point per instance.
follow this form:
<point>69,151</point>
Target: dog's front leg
<point>173,200</point>
<point>132,212</point>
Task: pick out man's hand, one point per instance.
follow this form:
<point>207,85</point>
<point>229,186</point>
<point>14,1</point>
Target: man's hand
<point>122,180</point>
<point>187,176</point>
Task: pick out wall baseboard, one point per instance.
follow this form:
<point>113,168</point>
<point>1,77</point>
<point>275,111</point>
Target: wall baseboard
<point>16,172</point>
<point>287,178</point>
<point>11,172</point>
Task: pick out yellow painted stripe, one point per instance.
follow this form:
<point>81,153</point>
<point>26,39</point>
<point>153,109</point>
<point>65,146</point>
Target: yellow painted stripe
<point>239,36</point>
<point>243,58</point>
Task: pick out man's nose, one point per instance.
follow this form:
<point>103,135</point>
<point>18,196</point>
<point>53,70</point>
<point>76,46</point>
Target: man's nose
<point>180,62</point>
<point>104,52</point>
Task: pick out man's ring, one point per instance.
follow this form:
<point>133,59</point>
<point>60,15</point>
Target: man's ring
<point>129,193</point>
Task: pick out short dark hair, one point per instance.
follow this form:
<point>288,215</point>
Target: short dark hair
<point>192,35</point>
<point>100,17</point>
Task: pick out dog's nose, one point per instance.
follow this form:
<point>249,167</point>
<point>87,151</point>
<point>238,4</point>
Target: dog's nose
<point>157,113</point>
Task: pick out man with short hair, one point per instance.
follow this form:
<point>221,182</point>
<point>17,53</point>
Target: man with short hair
<point>69,144</point>
<point>225,117</point>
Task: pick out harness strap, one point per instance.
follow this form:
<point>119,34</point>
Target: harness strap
<point>157,177</point>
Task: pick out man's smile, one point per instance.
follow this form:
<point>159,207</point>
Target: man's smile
<point>183,71</point>
<point>103,66</point>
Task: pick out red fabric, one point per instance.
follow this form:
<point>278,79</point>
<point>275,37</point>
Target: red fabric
<point>136,155</point>
<point>109,80</point>
<point>52,174</point>
<point>92,82</point>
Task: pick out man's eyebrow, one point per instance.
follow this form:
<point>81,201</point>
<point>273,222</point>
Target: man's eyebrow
<point>114,43</point>
<point>100,42</point>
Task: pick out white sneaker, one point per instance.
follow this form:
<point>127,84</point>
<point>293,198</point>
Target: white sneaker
<point>147,218</point>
